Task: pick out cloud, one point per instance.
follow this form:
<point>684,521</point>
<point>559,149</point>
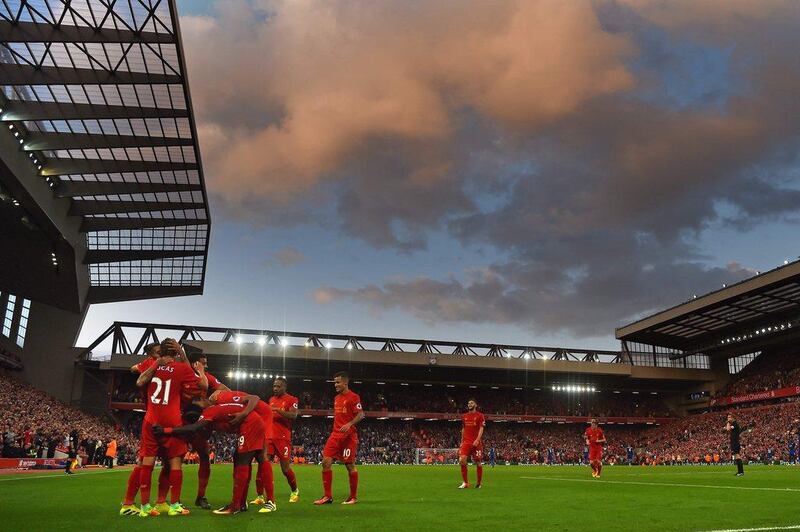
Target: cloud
<point>293,96</point>
<point>581,141</point>
<point>288,256</point>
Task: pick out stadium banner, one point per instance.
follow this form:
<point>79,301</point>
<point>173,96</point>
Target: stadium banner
<point>25,463</point>
<point>439,416</point>
<point>757,396</point>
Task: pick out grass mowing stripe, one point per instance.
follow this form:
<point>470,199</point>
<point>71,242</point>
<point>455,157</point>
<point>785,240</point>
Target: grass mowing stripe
<point>673,484</point>
<point>789,527</point>
<point>61,475</point>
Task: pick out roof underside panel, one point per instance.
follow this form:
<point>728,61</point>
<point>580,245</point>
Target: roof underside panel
<point>96,91</point>
<point>761,303</point>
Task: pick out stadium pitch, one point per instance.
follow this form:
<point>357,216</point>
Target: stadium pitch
<point>425,498</point>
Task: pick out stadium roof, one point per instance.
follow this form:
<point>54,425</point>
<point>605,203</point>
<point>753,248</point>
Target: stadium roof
<point>97,95</point>
<point>764,306</point>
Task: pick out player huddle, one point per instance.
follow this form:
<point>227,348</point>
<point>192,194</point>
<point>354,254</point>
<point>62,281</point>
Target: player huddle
<point>186,404</point>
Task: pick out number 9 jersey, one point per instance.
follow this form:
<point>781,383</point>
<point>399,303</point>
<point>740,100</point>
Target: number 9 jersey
<point>164,393</point>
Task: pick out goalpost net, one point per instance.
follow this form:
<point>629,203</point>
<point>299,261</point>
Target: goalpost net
<point>435,456</point>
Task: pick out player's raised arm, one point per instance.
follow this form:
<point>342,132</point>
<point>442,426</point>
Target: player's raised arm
<point>252,403</point>
<point>144,378</point>
<point>182,430</point>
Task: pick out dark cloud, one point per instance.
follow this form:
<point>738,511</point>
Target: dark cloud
<point>562,135</point>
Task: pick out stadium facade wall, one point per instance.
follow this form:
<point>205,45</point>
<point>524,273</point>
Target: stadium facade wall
<point>49,355</point>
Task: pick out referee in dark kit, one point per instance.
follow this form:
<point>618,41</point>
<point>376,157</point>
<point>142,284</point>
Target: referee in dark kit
<point>734,430</point>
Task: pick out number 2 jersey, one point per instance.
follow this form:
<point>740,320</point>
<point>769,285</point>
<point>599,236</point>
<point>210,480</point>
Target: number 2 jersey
<point>282,427</point>
<point>164,393</point>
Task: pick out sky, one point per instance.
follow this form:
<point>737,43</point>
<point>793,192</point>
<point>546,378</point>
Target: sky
<point>533,172</point>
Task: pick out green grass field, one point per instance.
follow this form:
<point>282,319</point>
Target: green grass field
<point>426,498</point>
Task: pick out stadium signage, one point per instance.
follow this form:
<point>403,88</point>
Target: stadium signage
<point>440,416</point>
<point>25,463</point>
<point>757,396</point>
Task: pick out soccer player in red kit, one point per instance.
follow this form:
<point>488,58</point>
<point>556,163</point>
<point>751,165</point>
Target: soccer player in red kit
<point>595,439</point>
<point>284,409</point>
<point>153,352</point>
<point>342,444</point>
<point>471,443</point>
<point>232,417</point>
<point>164,382</point>
<point>264,478</point>
<point>199,440</point>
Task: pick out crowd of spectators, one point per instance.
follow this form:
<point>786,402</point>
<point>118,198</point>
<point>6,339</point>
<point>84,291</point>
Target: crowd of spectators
<point>439,398</point>
<point>36,425</point>
<point>768,371</point>
<point>770,434</point>
<point>442,399</point>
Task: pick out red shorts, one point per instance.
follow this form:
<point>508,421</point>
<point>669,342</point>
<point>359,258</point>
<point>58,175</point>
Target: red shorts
<point>251,435</point>
<point>163,446</point>
<point>467,449</point>
<point>595,452</point>
<point>280,447</point>
<point>341,448</point>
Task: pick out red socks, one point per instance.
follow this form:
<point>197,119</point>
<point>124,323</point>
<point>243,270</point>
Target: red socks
<point>176,481</point>
<point>599,467</point>
<point>163,485</point>
<point>327,482</point>
<point>291,479</point>
<point>353,483</point>
<point>133,486</point>
<point>241,480</point>
<point>203,474</point>
<point>480,473</point>
<point>145,479</point>
<point>260,479</point>
<point>464,473</point>
<point>268,481</point>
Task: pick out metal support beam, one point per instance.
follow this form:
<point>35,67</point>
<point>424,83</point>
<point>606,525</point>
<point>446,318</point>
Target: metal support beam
<point>119,224</point>
<point>35,32</point>
<point>85,207</point>
<point>56,166</point>
<point>100,256</point>
<point>69,189</point>
<point>76,141</point>
<point>30,110</point>
<point>106,294</point>
<point>14,74</point>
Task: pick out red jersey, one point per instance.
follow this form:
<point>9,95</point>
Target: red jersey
<point>220,415</point>
<point>262,409</point>
<point>192,390</point>
<point>593,435</point>
<point>282,427</point>
<point>473,422</point>
<point>164,393</point>
<point>345,408</point>
<point>144,365</point>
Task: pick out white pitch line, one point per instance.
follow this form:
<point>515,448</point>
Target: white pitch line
<point>790,527</point>
<point>62,475</point>
<point>674,484</point>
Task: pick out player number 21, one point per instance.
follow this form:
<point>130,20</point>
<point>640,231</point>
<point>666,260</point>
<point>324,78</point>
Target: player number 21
<point>164,400</point>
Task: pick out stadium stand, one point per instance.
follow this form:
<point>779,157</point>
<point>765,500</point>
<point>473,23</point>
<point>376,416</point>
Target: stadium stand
<point>766,372</point>
<point>36,425</point>
<point>397,398</point>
